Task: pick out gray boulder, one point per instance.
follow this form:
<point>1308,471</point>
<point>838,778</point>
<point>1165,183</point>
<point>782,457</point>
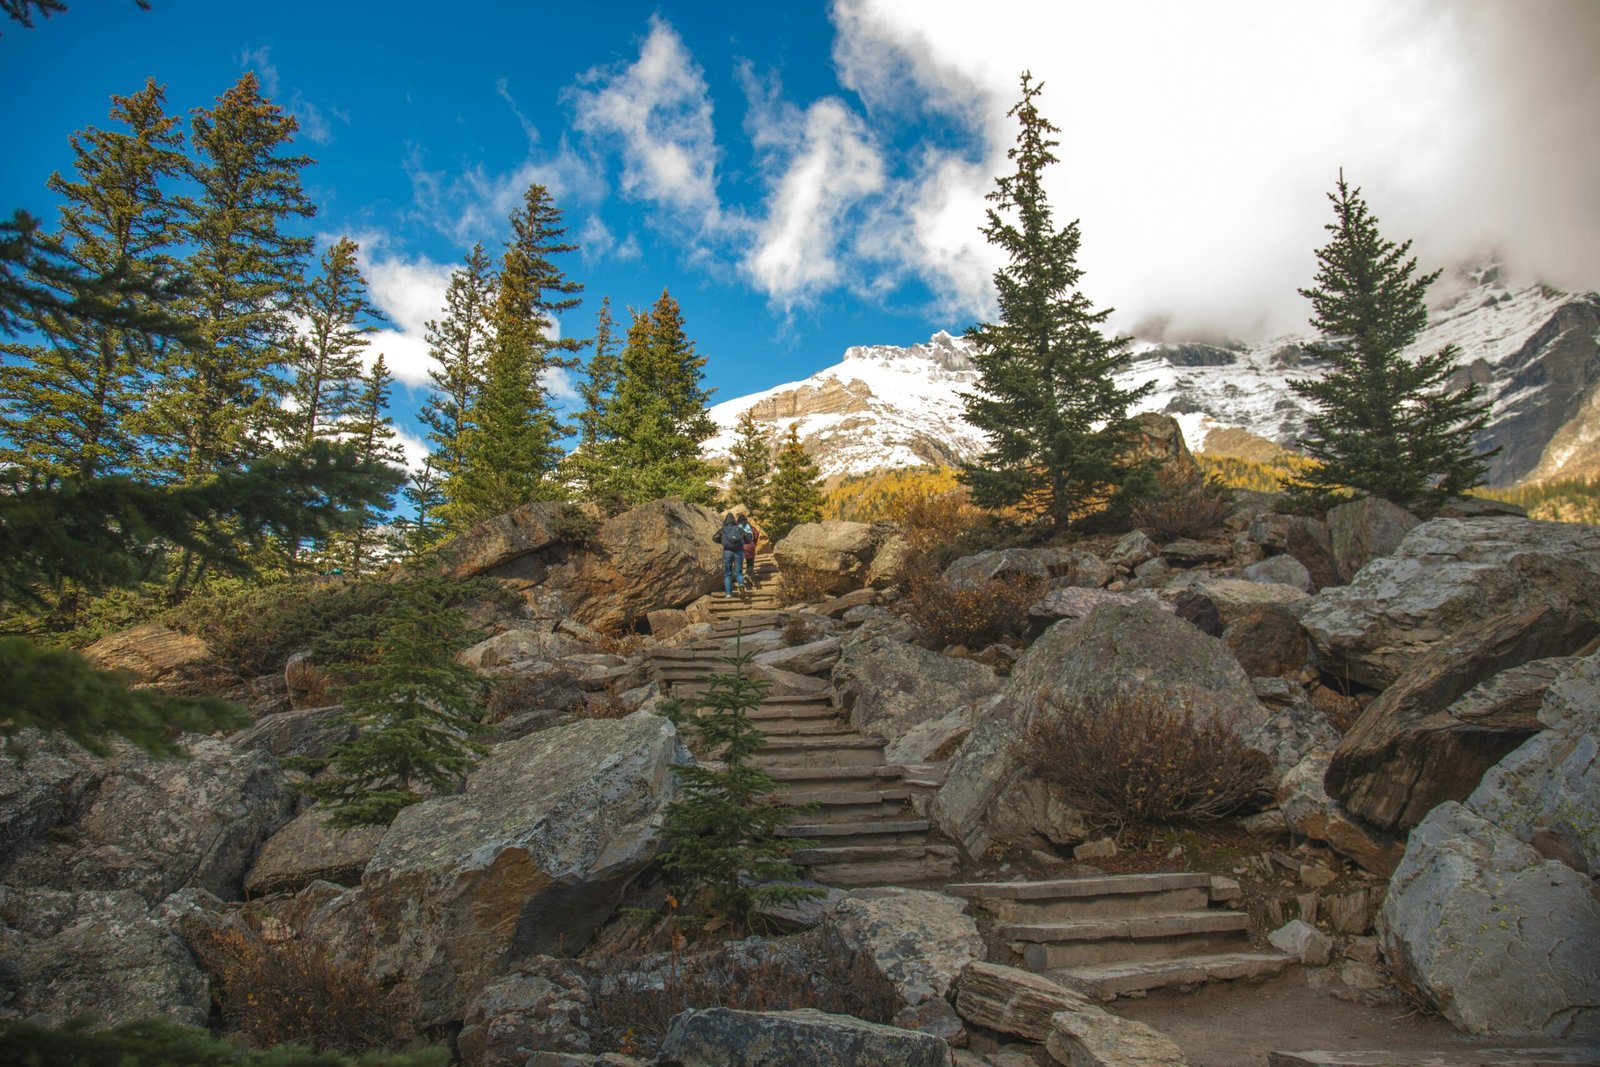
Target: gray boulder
<point>1305,539</point>
<point>530,859</point>
<point>1295,729</point>
<point>832,556</point>
<point>307,850</point>
<point>307,732</point>
<point>1076,602</point>
<point>100,954</point>
<point>914,941</point>
<point>156,826</point>
<point>889,686</point>
<point>1234,598</point>
<point>1362,530</point>
<point>1446,576</point>
<point>722,1037</point>
<point>542,1006</point>
<point>1497,938</point>
<point>1281,570</point>
<point>1006,564</point>
<point>813,657</point>
<point>44,780</point>
<point>1133,549</point>
<point>1093,1037</point>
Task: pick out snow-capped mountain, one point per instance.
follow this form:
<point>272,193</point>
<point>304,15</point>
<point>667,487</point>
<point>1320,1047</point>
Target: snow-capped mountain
<point>1535,350</point>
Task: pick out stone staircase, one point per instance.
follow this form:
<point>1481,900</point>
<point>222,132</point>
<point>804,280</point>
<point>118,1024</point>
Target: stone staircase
<point>1113,935</point>
<point>860,816</point>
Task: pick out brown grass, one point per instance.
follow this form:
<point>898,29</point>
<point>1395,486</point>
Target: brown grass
<point>973,616</point>
<point>1186,507</point>
<point>1131,760</point>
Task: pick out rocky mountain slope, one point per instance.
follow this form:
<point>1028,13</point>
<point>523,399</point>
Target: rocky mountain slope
<point>1535,349</point>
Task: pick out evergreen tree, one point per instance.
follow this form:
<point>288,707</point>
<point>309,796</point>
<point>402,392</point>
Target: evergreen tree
<point>794,495</point>
<point>1384,425</point>
<point>1055,421</point>
<point>721,832</point>
<point>657,419</point>
<point>325,390</point>
<point>752,466</point>
<point>600,378</point>
<point>459,344</point>
<point>421,531</point>
<point>217,403</point>
<point>370,429</point>
<point>511,449</point>
<point>23,11</point>
<point>69,400</point>
<point>415,711</point>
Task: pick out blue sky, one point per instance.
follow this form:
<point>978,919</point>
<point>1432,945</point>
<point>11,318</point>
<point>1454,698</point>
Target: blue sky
<point>808,176</point>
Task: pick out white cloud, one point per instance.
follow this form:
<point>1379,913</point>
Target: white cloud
<point>412,447</point>
<point>313,123</point>
<point>409,292</point>
<point>559,382</point>
<point>1198,140</point>
<point>260,61</point>
<point>475,204</point>
<point>833,166</point>
<point>657,112</point>
<point>597,242</point>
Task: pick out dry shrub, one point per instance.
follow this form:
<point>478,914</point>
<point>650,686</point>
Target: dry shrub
<point>930,520</point>
<point>603,705</point>
<point>974,616</point>
<point>1186,505</point>
<point>512,694</point>
<point>800,586</point>
<point>1131,759</point>
<point>280,989</point>
<point>635,996</point>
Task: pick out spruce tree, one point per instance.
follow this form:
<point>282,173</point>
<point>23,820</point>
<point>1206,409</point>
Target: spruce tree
<point>327,381</point>
<point>217,402</point>
<point>1384,425</point>
<point>414,709</point>
<point>657,420</point>
<point>70,399</point>
<point>751,459</point>
<point>586,467</point>
<point>459,343</point>
<point>721,832</point>
<point>512,447</point>
<point>794,495</point>
<point>1056,422</point>
<point>370,429</point>
<point>415,534</point>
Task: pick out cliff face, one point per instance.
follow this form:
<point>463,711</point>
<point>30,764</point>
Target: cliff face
<point>1534,350</point>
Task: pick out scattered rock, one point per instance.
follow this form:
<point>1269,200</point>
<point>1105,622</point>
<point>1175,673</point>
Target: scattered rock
<point>813,657</point>
<point>1074,602</point>
<point>1305,539</point>
<point>833,555</point>
<point>1013,1001</point>
<point>1309,811</point>
<point>1303,941</point>
<point>1281,570</point>
<point>1295,730</point>
<point>1362,530</point>
<point>307,850</point>
<point>542,1006</point>
<point>1005,564</point>
<point>1097,1038</point>
<point>1189,553</point>
<point>722,1037</point>
<point>1316,876</point>
<point>1152,570</point>
<point>1268,642</point>
<point>1236,598</point>
<point>1133,549</point>
<point>1102,849</point>
<point>889,562</point>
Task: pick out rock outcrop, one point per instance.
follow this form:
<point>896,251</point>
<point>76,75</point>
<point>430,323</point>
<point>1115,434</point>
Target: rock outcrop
<point>149,653</point>
<point>1362,530</point>
<point>891,687</point>
<point>307,850</point>
<point>722,1037</point>
<point>832,557</point>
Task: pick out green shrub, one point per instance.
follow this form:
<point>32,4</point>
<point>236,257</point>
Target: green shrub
<point>157,1043</point>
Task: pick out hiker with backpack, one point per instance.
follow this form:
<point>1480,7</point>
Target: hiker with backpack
<point>753,535</point>
<point>732,539</point>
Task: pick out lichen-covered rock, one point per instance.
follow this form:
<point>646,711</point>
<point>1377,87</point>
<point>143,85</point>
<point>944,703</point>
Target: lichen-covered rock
<point>97,954</point>
<point>1093,1037</point>
<point>1497,938</point>
<point>889,686</point>
<point>1131,550</point>
<point>1447,576</point>
<point>1362,530</point>
<point>1268,642</point>
<point>914,940</point>
<point>1295,729</point>
<point>722,1037</point>
<point>1310,812</point>
<point>501,541</point>
<point>530,859</point>
<point>1281,570</point>
<point>307,732</point>
<point>542,1006</point>
<point>1430,736</point>
<point>159,825</point>
<point>43,782</point>
<point>1004,564</point>
<point>1076,602</point>
<point>1009,1000</point>
<point>833,556</point>
<point>308,850</point>
<point>1236,598</point>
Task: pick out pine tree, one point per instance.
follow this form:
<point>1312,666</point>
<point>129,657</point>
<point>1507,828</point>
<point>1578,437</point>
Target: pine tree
<point>415,711</point>
<point>1055,421</point>
<point>327,381</point>
<point>721,833</point>
<point>414,535</point>
<point>600,377</point>
<point>1384,425</point>
<point>512,447</point>
<point>70,401</point>
<point>218,401</point>
<point>370,429</point>
<point>657,419</point>
<point>459,344</point>
<point>752,466</point>
<point>794,495</point>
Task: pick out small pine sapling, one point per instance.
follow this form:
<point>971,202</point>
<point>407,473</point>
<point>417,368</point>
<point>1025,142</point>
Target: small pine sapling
<point>722,832</point>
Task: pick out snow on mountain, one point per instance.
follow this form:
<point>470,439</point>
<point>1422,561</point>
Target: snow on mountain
<point>1535,350</point>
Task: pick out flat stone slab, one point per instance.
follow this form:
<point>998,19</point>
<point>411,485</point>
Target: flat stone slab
<point>1143,926</point>
<point>1066,888</point>
<point>1484,1057</point>
<point>846,829</point>
<point>1110,980</point>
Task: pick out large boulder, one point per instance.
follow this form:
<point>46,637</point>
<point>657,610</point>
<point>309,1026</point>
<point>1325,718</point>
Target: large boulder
<point>1496,937</point>
<point>1234,598</point>
<point>1310,812</point>
<point>497,544</point>
<point>530,859</point>
<point>1446,576</point>
<point>1305,539</point>
<point>101,954</point>
<point>890,687</point>
<point>306,732</point>
<point>914,941</point>
<point>1362,530</point>
<point>832,556</point>
<point>1158,439</point>
<point>1005,564</point>
<point>1268,642</point>
<point>1433,733</point>
<point>542,1006</point>
<point>308,850</point>
<point>44,780</point>
<point>723,1037</point>
<point>155,826</point>
<point>149,653</point>
<point>1094,1037</point>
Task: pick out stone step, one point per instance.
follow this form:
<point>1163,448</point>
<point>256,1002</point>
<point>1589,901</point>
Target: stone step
<point>806,728</point>
<point>1440,1057</point>
<point>833,777</point>
<point>815,708</point>
<point>1050,946</point>
<point>1108,896</point>
<point>1107,981</point>
<point>883,865</point>
<point>874,833</point>
<point>845,805</point>
<point>820,752</point>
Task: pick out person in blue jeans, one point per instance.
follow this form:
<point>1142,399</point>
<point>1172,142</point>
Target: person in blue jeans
<point>731,537</point>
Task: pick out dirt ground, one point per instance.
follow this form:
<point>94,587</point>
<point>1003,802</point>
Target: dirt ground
<point>1237,1024</point>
